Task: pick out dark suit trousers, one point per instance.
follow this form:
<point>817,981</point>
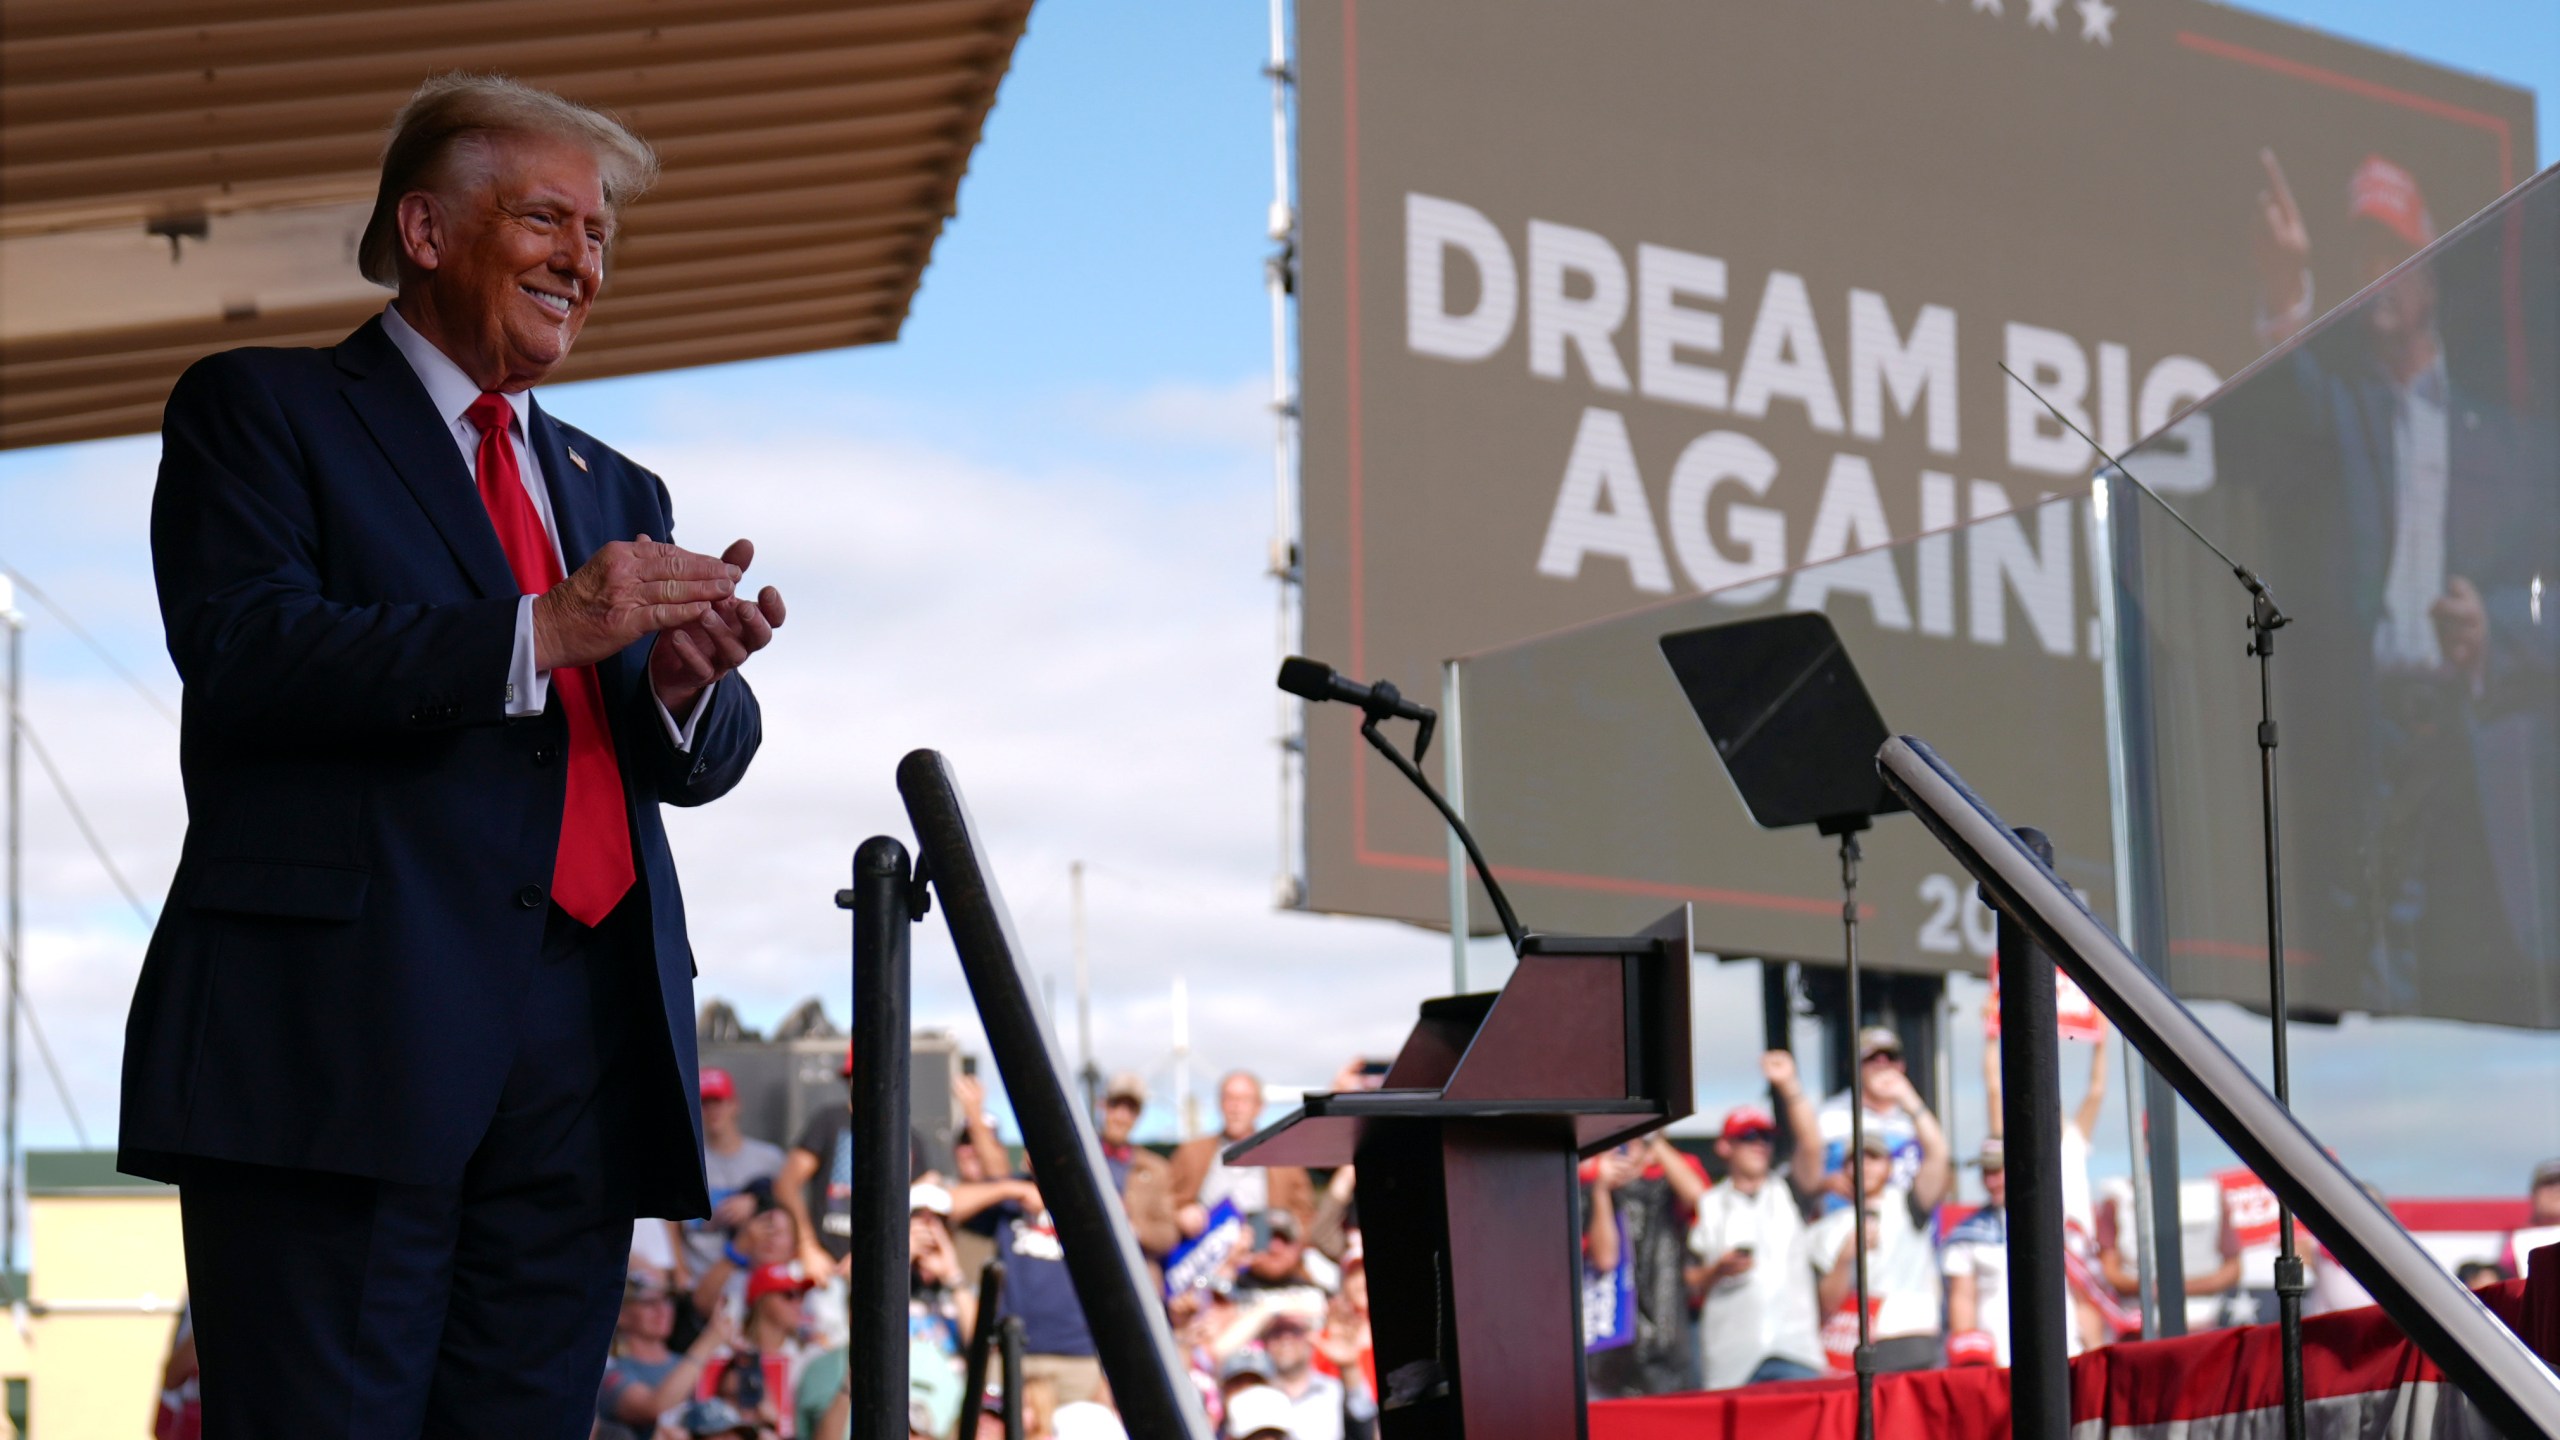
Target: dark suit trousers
<point>331,1306</point>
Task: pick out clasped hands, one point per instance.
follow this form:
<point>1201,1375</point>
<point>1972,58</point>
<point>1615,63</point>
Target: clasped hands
<point>635,588</point>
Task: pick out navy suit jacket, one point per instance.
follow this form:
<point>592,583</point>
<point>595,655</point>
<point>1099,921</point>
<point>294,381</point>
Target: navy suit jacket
<point>370,838</point>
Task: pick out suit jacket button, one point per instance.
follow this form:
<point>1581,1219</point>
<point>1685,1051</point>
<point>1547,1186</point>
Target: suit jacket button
<point>530,897</point>
<point>543,755</point>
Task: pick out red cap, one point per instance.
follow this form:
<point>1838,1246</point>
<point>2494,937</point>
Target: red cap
<point>775,1280</point>
<point>2388,196</point>
<point>1742,1120</point>
<point>716,1085</point>
<point>1971,1347</point>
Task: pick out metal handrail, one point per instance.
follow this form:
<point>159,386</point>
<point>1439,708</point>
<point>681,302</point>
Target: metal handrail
<point>2476,1350</point>
<point>1150,1383</point>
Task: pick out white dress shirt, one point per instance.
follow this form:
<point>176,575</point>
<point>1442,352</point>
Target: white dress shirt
<point>2422,480</point>
<point>453,393</point>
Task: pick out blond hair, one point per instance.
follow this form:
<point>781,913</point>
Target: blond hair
<point>451,115</point>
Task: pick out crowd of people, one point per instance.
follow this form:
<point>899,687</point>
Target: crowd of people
<point>1697,1273</point>
<point>1691,1284</point>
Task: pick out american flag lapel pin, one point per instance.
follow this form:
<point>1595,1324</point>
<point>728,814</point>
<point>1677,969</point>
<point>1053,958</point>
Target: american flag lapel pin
<point>577,459</point>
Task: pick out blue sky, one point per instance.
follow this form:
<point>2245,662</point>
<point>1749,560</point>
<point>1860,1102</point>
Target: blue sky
<point>1059,480</point>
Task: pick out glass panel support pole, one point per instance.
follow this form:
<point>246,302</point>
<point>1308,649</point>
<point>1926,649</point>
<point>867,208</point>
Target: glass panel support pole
<point>2151,1106</point>
<point>1453,779</point>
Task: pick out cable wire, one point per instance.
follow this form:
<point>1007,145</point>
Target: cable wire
<point>44,1048</point>
<point>149,696</point>
<point>80,817</point>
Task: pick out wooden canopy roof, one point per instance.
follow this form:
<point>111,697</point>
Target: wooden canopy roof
<point>182,176</point>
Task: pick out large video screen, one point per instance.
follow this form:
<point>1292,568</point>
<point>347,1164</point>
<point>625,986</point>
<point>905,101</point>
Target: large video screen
<point>1604,306</point>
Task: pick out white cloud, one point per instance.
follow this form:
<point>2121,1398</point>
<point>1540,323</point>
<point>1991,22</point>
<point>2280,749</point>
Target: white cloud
<point>1234,416</point>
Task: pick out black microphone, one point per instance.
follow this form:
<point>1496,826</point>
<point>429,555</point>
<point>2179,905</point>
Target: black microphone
<point>1314,680</point>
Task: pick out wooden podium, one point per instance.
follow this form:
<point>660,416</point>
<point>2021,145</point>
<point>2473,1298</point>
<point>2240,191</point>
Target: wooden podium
<point>1469,1204</point>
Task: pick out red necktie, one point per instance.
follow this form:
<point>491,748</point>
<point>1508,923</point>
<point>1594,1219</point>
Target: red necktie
<point>593,869</point>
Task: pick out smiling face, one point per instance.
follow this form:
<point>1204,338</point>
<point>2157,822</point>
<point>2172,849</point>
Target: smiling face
<point>648,1314</point>
<point>1290,1349</point>
<point>502,263</point>
<point>1119,1118</point>
<point>1748,1153</point>
<point>720,1119</point>
<point>1877,1070</point>
<point>1240,1104</point>
<point>771,1238</point>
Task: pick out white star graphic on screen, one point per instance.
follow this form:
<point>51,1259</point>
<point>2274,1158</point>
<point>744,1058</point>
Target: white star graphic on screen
<point>2097,20</point>
<point>2046,13</point>
<point>1990,6</point>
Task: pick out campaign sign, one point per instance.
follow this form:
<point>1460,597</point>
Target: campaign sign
<point>1196,1261</point>
<point>1609,1306</point>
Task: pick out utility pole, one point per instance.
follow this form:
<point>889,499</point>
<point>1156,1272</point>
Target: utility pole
<point>1086,1075</point>
<point>16,625</point>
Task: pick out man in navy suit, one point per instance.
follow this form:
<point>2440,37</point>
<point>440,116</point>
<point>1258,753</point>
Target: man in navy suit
<point>415,1034</point>
<point>2408,520</point>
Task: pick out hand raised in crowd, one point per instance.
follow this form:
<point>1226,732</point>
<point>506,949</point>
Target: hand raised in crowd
<point>691,657</point>
<point>2279,243</point>
<point>1898,1091</point>
<point>1339,1341</point>
<point>1616,1170</point>
<point>968,1093</point>
<point>627,590</point>
<point>719,1331</point>
<point>934,1259</point>
<point>734,1210</point>
<point>815,1262</point>
<point>1779,1069</point>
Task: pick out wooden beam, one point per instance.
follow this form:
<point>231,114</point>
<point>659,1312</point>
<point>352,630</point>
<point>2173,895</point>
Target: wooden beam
<point>122,40</point>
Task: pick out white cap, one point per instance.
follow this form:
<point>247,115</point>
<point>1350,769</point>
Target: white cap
<point>929,1197</point>
<point>1256,1409</point>
<point>1085,1420</point>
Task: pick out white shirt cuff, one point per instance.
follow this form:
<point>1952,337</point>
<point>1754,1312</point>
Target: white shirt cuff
<point>681,736</point>
<point>528,689</point>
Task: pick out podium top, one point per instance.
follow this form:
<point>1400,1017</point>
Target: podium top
<point>1589,1031</point>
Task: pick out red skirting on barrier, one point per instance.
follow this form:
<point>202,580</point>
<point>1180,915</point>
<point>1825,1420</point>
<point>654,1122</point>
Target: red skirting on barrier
<point>2356,1364</point>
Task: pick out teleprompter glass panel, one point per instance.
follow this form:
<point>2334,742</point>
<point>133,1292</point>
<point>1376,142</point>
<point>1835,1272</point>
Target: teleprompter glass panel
<point>1598,795</point>
<point>2391,472</point>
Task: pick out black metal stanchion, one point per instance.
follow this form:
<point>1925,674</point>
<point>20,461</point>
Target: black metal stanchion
<point>973,1376</point>
<point>1865,1358</point>
<point>877,1301</point>
<point>1010,1339</point>
<point>2264,620</point>
<point>2031,1117</point>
